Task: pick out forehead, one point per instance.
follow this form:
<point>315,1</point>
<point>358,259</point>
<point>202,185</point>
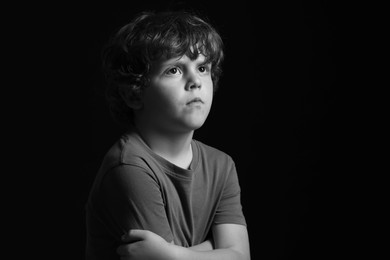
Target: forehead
<point>164,62</point>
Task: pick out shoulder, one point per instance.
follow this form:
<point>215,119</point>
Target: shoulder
<point>127,164</point>
<point>128,150</point>
<point>213,155</point>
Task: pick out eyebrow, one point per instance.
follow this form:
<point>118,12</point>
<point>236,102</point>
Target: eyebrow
<point>171,62</point>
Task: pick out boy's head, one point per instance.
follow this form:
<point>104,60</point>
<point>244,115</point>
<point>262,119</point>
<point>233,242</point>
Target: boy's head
<point>128,57</point>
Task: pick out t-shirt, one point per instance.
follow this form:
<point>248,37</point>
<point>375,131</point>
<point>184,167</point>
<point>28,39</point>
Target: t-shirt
<point>137,189</point>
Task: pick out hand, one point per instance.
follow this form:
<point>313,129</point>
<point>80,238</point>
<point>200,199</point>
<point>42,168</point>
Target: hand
<point>144,244</point>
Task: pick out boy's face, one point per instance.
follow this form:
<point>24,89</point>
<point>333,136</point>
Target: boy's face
<point>179,95</point>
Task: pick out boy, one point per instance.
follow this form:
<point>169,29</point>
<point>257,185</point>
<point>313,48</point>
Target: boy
<point>160,194</point>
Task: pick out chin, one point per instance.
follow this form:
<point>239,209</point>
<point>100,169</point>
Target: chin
<point>195,124</point>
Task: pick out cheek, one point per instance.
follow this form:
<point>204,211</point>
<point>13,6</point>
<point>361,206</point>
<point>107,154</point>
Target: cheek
<point>209,83</point>
<point>164,100</point>
<point>209,88</point>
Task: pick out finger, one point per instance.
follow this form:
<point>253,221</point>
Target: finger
<point>134,235</point>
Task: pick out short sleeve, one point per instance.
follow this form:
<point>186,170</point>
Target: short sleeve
<point>132,200</point>
<point>229,210</point>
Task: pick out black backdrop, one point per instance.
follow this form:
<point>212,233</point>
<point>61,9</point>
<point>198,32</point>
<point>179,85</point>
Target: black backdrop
<point>276,113</point>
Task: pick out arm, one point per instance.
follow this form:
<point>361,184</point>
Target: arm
<point>133,200</point>
<point>231,242</point>
<point>205,246</point>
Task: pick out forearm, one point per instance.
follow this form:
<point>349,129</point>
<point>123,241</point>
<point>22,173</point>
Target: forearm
<point>215,254</point>
<point>205,246</point>
<point>231,243</point>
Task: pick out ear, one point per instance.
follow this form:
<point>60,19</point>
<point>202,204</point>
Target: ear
<point>131,97</point>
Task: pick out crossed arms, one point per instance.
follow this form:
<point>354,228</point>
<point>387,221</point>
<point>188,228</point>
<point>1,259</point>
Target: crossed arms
<point>230,242</point>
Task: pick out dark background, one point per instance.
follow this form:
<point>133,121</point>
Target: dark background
<point>278,113</point>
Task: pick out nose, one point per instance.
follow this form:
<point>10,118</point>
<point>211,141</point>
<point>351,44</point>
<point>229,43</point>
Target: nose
<point>193,82</point>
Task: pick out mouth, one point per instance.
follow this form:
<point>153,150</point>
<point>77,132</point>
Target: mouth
<point>195,101</point>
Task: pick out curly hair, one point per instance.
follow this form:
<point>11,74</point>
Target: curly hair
<point>149,36</point>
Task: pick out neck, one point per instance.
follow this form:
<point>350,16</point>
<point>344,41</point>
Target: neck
<point>174,147</point>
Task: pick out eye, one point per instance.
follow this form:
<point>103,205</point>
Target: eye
<point>204,68</point>
<point>173,71</point>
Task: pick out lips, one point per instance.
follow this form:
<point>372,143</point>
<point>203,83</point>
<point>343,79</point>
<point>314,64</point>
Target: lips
<point>195,100</point>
